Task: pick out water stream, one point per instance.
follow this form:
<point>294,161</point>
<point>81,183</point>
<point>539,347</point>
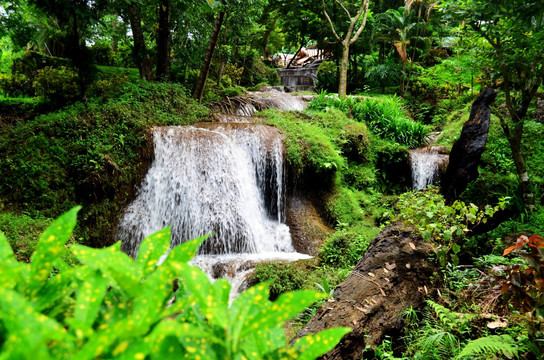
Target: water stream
<point>223,178</point>
<point>426,163</point>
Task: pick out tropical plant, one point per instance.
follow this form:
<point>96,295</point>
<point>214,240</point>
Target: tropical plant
<point>523,286</point>
<point>445,225</point>
<point>386,117</point>
<point>447,335</point>
<point>399,28</point>
<point>112,306</point>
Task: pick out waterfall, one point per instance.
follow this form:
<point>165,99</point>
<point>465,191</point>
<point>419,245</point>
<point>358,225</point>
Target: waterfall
<point>226,179</point>
<point>426,163</point>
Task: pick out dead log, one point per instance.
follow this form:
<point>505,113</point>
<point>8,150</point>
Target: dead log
<point>467,150</point>
<point>394,274</point>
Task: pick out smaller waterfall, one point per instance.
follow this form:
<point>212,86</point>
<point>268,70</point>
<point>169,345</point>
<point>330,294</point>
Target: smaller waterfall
<point>426,164</point>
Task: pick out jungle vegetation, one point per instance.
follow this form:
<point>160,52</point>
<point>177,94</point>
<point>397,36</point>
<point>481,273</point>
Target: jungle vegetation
<point>82,82</point>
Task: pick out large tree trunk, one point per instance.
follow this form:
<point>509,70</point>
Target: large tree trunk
<point>467,151</point>
<point>139,51</point>
<point>343,81</point>
<point>163,41</point>
<point>204,70</point>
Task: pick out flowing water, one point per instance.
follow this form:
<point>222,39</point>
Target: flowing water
<point>426,163</point>
<point>226,179</point>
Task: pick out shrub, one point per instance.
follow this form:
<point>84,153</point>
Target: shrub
<point>523,286</point>
<point>384,75</point>
<point>16,85</point>
<point>326,77</point>
<point>343,249</point>
<point>446,225</point>
<point>113,307</point>
<point>387,118</point>
<point>107,87</point>
<point>281,277</point>
<point>58,85</point>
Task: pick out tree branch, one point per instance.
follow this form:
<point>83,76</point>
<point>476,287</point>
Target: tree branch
<point>364,8</point>
<point>343,8</point>
<point>330,22</point>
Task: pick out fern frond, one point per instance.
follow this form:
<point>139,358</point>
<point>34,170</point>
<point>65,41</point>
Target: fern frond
<point>443,341</point>
<point>490,345</point>
<point>450,318</point>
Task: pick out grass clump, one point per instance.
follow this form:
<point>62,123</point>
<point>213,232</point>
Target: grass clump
<point>387,118</point>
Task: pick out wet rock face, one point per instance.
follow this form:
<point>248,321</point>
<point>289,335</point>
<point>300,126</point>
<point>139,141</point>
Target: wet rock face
<point>393,275</point>
<point>467,151</point>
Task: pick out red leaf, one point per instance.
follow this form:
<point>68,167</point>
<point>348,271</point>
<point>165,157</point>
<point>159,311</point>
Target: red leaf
<point>521,241</point>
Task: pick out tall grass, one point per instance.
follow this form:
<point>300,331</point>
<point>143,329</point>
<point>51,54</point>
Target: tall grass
<point>325,100</point>
<point>386,117</point>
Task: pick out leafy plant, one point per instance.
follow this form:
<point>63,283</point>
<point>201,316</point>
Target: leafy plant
<point>387,118</point>
<point>445,225</point>
<point>523,286</point>
<point>445,334</point>
<point>112,306</point>
<point>58,85</point>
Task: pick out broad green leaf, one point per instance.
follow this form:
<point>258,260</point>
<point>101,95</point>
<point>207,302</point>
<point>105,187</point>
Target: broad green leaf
<point>186,251</point>
<point>57,288</point>
<point>312,346</point>
<point>284,308</point>
<point>29,331</point>
<point>151,249</point>
<point>114,264</point>
<point>456,248</point>
<point>153,297</point>
<point>210,302</point>
<point>50,246</point>
<point>89,298</point>
<point>245,307</point>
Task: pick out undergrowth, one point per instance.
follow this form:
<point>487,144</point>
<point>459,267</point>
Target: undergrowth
<point>90,153</point>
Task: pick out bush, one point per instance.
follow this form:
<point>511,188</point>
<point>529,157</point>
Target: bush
<point>16,85</point>
<point>58,85</point>
<point>113,307</point>
<point>387,118</point>
<point>327,77</point>
<point>343,249</point>
<point>281,277</point>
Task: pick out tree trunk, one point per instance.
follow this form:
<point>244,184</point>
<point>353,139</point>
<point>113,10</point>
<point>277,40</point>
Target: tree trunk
<point>514,140</point>
<point>342,85</point>
<point>139,51</point>
<point>163,41</point>
<point>199,90</point>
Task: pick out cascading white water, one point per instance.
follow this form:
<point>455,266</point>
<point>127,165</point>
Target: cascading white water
<point>220,178</point>
<point>426,163</point>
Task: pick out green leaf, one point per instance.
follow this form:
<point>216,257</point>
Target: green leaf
<point>186,251</point>
<point>151,249</point>
<point>50,246</point>
<point>114,264</point>
<point>29,331</point>
<point>312,346</point>
<point>454,259</point>
<point>89,298</point>
<point>426,235</point>
<point>456,248</point>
